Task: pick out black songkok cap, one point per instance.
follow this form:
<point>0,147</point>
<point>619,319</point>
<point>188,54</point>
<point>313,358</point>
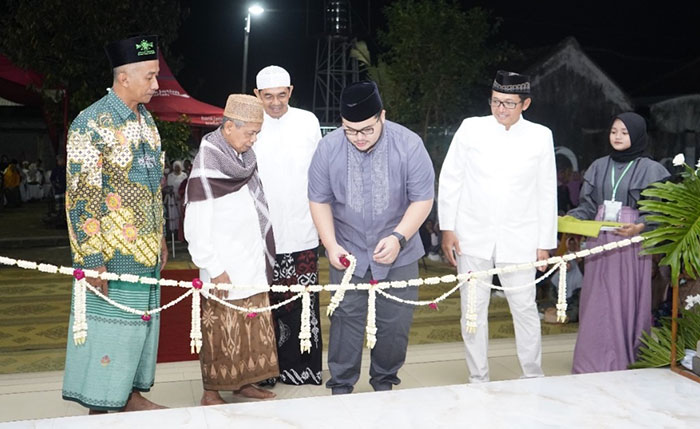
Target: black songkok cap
<point>511,83</point>
<point>360,101</point>
<point>132,50</point>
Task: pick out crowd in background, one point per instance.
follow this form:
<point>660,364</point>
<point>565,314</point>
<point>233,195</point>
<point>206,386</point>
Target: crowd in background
<point>22,182</point>
<point>174,183</point>
<point>25,181</point>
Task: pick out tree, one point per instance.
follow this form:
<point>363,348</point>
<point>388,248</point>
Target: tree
<point>436,55</point>
<point>174,137</point>
<point>64,40</point>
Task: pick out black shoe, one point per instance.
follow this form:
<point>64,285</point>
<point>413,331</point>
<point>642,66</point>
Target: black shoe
<point>268,382</point>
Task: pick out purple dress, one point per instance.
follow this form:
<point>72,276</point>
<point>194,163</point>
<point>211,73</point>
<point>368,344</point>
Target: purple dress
<point>615,305</point>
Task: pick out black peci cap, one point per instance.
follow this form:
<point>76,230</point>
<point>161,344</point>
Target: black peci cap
<point>360,101</point>
<point>511,83</point>
<point>132,50</point>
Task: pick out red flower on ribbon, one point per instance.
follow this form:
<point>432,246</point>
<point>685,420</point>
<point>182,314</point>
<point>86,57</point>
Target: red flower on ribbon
<point>373,282</point>
<point>433,305</point>
<point>344,261</point>
<point>146,317</point>
<point>197,283</point>
<point>251,315</point>
<point>78,274</point>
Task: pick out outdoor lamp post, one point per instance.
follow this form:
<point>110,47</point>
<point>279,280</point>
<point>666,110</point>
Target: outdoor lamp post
<point>253,10</point>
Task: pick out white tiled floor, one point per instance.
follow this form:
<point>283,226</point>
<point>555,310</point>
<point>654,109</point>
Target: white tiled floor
<point>34,396</point>
<point>646,398</point>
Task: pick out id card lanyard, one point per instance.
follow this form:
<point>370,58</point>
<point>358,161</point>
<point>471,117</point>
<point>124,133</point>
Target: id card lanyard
<point>614,184</point>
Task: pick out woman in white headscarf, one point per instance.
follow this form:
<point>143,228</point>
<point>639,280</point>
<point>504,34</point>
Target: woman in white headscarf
<point>34,182</point>
<point>172,197</point>
<point>176,176</point>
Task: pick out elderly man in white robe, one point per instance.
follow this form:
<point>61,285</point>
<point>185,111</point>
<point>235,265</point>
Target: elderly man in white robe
<point>230,239</point>
<point>497,206</point>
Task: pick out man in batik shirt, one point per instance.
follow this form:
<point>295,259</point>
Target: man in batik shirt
<point>115,223</point>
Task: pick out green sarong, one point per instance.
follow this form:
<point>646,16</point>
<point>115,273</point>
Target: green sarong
<point>119,355</point>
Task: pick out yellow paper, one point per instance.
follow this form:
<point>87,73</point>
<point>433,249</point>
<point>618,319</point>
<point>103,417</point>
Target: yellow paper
<point>589,228</point>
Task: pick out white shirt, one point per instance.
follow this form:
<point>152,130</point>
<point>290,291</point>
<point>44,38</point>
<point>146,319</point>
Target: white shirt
<point>284,150</point>
<point>223,234</point>
<point>175,180</point>
<point>498,190</point>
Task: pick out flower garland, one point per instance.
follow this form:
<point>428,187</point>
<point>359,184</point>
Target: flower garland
<point>561,301</point>
<point>349,262</point>
<point>555,266</point>
<point>431,303</point>
<point>252,311</point>
<point>79,306</point>
<point>196,323</point>
<point>197,288</point>
<point>371,328</point>
<point>79,310</point>
<point>471,316</point>
<point>371,315</point>
<point>305,333</point>
<point>296,288</point>
<point>472,280</point>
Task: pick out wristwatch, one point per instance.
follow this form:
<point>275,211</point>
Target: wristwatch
<point>402,239</point>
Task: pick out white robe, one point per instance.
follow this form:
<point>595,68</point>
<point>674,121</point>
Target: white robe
<point>175,180</point>
<point>284,150</point>
<point>497,190</point>
<point>223,234</point>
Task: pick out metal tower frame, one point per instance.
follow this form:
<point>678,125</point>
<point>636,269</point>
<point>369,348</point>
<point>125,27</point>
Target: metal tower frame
<point>334,70</point>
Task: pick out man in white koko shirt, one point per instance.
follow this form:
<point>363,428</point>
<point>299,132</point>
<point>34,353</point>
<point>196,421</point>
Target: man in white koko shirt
<point>285,145</point>
<point>497,206</point>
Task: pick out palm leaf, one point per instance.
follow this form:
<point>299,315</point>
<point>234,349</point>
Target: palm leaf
<point>662,236</point>
<point>675,208</point>
<point>678,211</point>
<point>689,327</point>
<point>655,350</point>
<point>683,193</point>
<point>360,52</point>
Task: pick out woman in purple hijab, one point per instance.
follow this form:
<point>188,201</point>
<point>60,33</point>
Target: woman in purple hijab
<point>615,302</point>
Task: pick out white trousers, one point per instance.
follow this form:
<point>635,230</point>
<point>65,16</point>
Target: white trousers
<point>528,337</point>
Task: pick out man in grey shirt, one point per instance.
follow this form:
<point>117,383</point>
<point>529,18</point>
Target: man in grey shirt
<point>371,186</point>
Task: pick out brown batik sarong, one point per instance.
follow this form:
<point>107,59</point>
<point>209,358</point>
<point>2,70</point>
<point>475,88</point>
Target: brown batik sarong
<point>237,349</point>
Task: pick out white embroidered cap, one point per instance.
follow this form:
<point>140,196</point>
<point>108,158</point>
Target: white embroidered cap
<point>272,77</point>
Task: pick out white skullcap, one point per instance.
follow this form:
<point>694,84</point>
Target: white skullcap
<point>272,77</point>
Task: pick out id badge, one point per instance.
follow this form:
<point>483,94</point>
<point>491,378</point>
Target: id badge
<point>611,210</point>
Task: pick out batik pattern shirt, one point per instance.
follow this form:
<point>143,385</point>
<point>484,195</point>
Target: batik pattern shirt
<point>113,197</point>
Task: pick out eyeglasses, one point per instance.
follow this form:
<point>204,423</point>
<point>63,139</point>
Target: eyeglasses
<point>495,103</point>
<point>366,131</point>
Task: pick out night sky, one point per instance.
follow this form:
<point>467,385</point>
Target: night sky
<point>648,50</point>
